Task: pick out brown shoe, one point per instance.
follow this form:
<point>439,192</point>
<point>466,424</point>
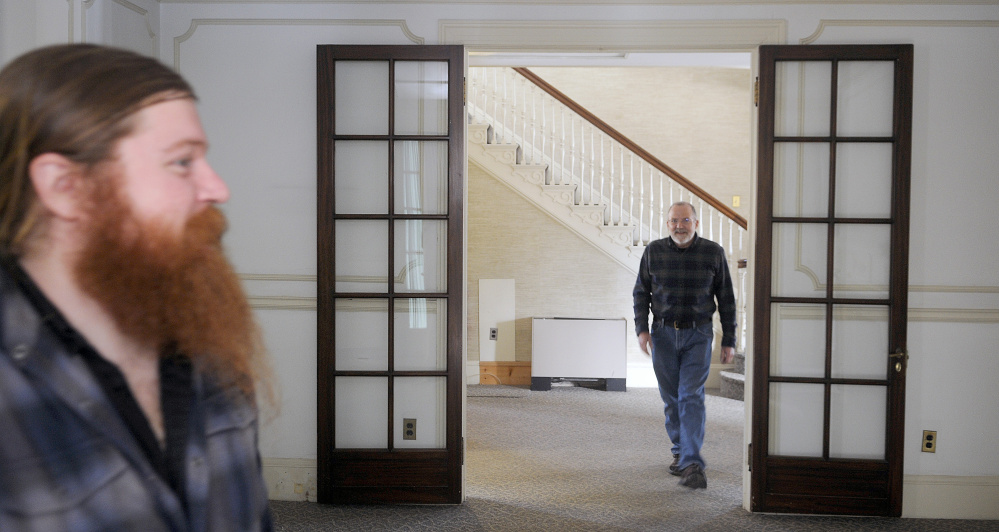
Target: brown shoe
<point>674,468</point>
<point>693,477</point>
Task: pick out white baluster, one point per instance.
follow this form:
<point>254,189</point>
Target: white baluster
<point>603,170</point>
<point>496,106</point>
<point>662,208</point>
<point>631,191</point>
<point>621,205</point>
<point>572,148</point>
<point>610,198</point>
<point>561,177</point>
<point>641,202</point>
<point>534,126</point>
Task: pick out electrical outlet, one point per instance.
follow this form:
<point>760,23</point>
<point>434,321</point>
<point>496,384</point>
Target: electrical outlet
<point>493,333</point>
<point>409,428</point>
<point>929,441</point>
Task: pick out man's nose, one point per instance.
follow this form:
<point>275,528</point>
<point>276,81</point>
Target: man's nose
<point>211,187</point>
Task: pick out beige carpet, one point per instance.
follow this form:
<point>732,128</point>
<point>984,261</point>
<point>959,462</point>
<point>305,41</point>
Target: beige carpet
<point>580,459</point>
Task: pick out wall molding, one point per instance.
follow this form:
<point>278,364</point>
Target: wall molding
<point>950,497</point>
<point>942,289</point>
<point>612,36</point>
<point>278,277</point>
<point>282,303</point>
<point>953,315</point>
<point>199,22</point>
<point>139,10</point>
<point>825,24</point>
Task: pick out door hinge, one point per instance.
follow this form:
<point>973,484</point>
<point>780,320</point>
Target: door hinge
<point>756,92</point>
<point>461,452</point>
<point>464,91</point>
<point>749,455</point>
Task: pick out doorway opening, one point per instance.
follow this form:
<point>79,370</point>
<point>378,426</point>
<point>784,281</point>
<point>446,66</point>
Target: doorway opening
<point>691,110</point>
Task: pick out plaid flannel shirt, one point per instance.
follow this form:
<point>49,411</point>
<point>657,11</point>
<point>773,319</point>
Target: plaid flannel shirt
<point>682,284</point>
<point>69,463</point>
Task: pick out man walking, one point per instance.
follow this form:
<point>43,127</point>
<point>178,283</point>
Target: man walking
<point>129,356</point>
<point>680,279</point>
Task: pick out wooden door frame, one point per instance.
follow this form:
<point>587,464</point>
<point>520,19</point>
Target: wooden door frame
<point>898,286</point>
<point>392,475</point>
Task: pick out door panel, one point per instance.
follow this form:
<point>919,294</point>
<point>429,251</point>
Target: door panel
<point>390,187</point>
<point>831,284</point>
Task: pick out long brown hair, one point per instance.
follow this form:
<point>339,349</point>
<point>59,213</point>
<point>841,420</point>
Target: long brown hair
<point>75,100</point>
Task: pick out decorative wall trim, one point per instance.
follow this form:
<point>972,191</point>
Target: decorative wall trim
<point>277,277</point>
<point>198,22</point>
<point>953,315</point>
<point>611,36</point>
<point>824,24</point>
<point>860,313</point>
<point>950,497</point>
<point>143,12</point>
<point>953,289</point>
<point>282,303</point>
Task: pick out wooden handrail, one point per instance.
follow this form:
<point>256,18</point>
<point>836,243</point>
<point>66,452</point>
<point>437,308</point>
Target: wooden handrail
<point>631,145</point>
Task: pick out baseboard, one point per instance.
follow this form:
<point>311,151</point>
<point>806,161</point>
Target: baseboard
<point>290,479</point>
<point>924,496</point>
<point>950,497</point>
<point>510,373</point>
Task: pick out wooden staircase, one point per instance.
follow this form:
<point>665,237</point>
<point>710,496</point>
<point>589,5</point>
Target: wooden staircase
<point>501,160</point>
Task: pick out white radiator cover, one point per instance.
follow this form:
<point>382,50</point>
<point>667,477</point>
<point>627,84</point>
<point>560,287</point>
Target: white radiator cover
<point>579,348</point>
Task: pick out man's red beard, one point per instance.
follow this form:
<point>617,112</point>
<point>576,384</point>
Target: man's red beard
<point>175,293</point>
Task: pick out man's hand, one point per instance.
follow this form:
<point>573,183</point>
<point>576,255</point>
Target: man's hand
<point>727,355</point>
<point>643,342</point>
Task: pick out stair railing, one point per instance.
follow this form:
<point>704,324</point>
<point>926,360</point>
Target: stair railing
<point>608,169</point>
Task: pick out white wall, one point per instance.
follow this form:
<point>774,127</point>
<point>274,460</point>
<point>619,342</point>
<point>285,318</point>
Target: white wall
<point>254,67</point>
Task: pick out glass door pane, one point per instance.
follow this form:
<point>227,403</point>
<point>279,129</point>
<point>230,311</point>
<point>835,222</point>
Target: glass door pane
<point>860,342</point>
<point>857,422</point>
<point>361,410</point>
<point>421,177</point>
<point>361,170</point>
<point>804,99</point>
<point>361,329</point>
<point>420,256</point>
<point>800,257</point>
<point>862,261</point>
<point>422,401</point>
<point>421,91</point>
<point>361,97</point>
<point>361,256</point>
<point>796,419</point>
<point>801,179</point>
<point>863,180</point>
<point>420,334</point>
<point>797,339</point>
<point>865,96</point>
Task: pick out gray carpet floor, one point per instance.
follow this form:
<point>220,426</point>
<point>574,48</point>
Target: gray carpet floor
<point>582,459</point>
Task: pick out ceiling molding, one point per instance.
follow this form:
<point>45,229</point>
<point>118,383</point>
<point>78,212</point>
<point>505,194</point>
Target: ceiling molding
<point>825,24</point>
<point>199,22</point>
<point>611,36</point>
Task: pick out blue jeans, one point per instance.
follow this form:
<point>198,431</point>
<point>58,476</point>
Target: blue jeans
<point>681,359</point>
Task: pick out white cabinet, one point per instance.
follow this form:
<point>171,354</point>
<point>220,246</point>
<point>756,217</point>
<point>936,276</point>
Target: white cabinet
<point>579,348</point>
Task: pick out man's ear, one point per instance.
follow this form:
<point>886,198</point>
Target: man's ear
<point>58,183</point>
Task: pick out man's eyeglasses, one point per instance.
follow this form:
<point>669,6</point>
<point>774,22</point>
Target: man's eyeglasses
<point>676,221</point>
